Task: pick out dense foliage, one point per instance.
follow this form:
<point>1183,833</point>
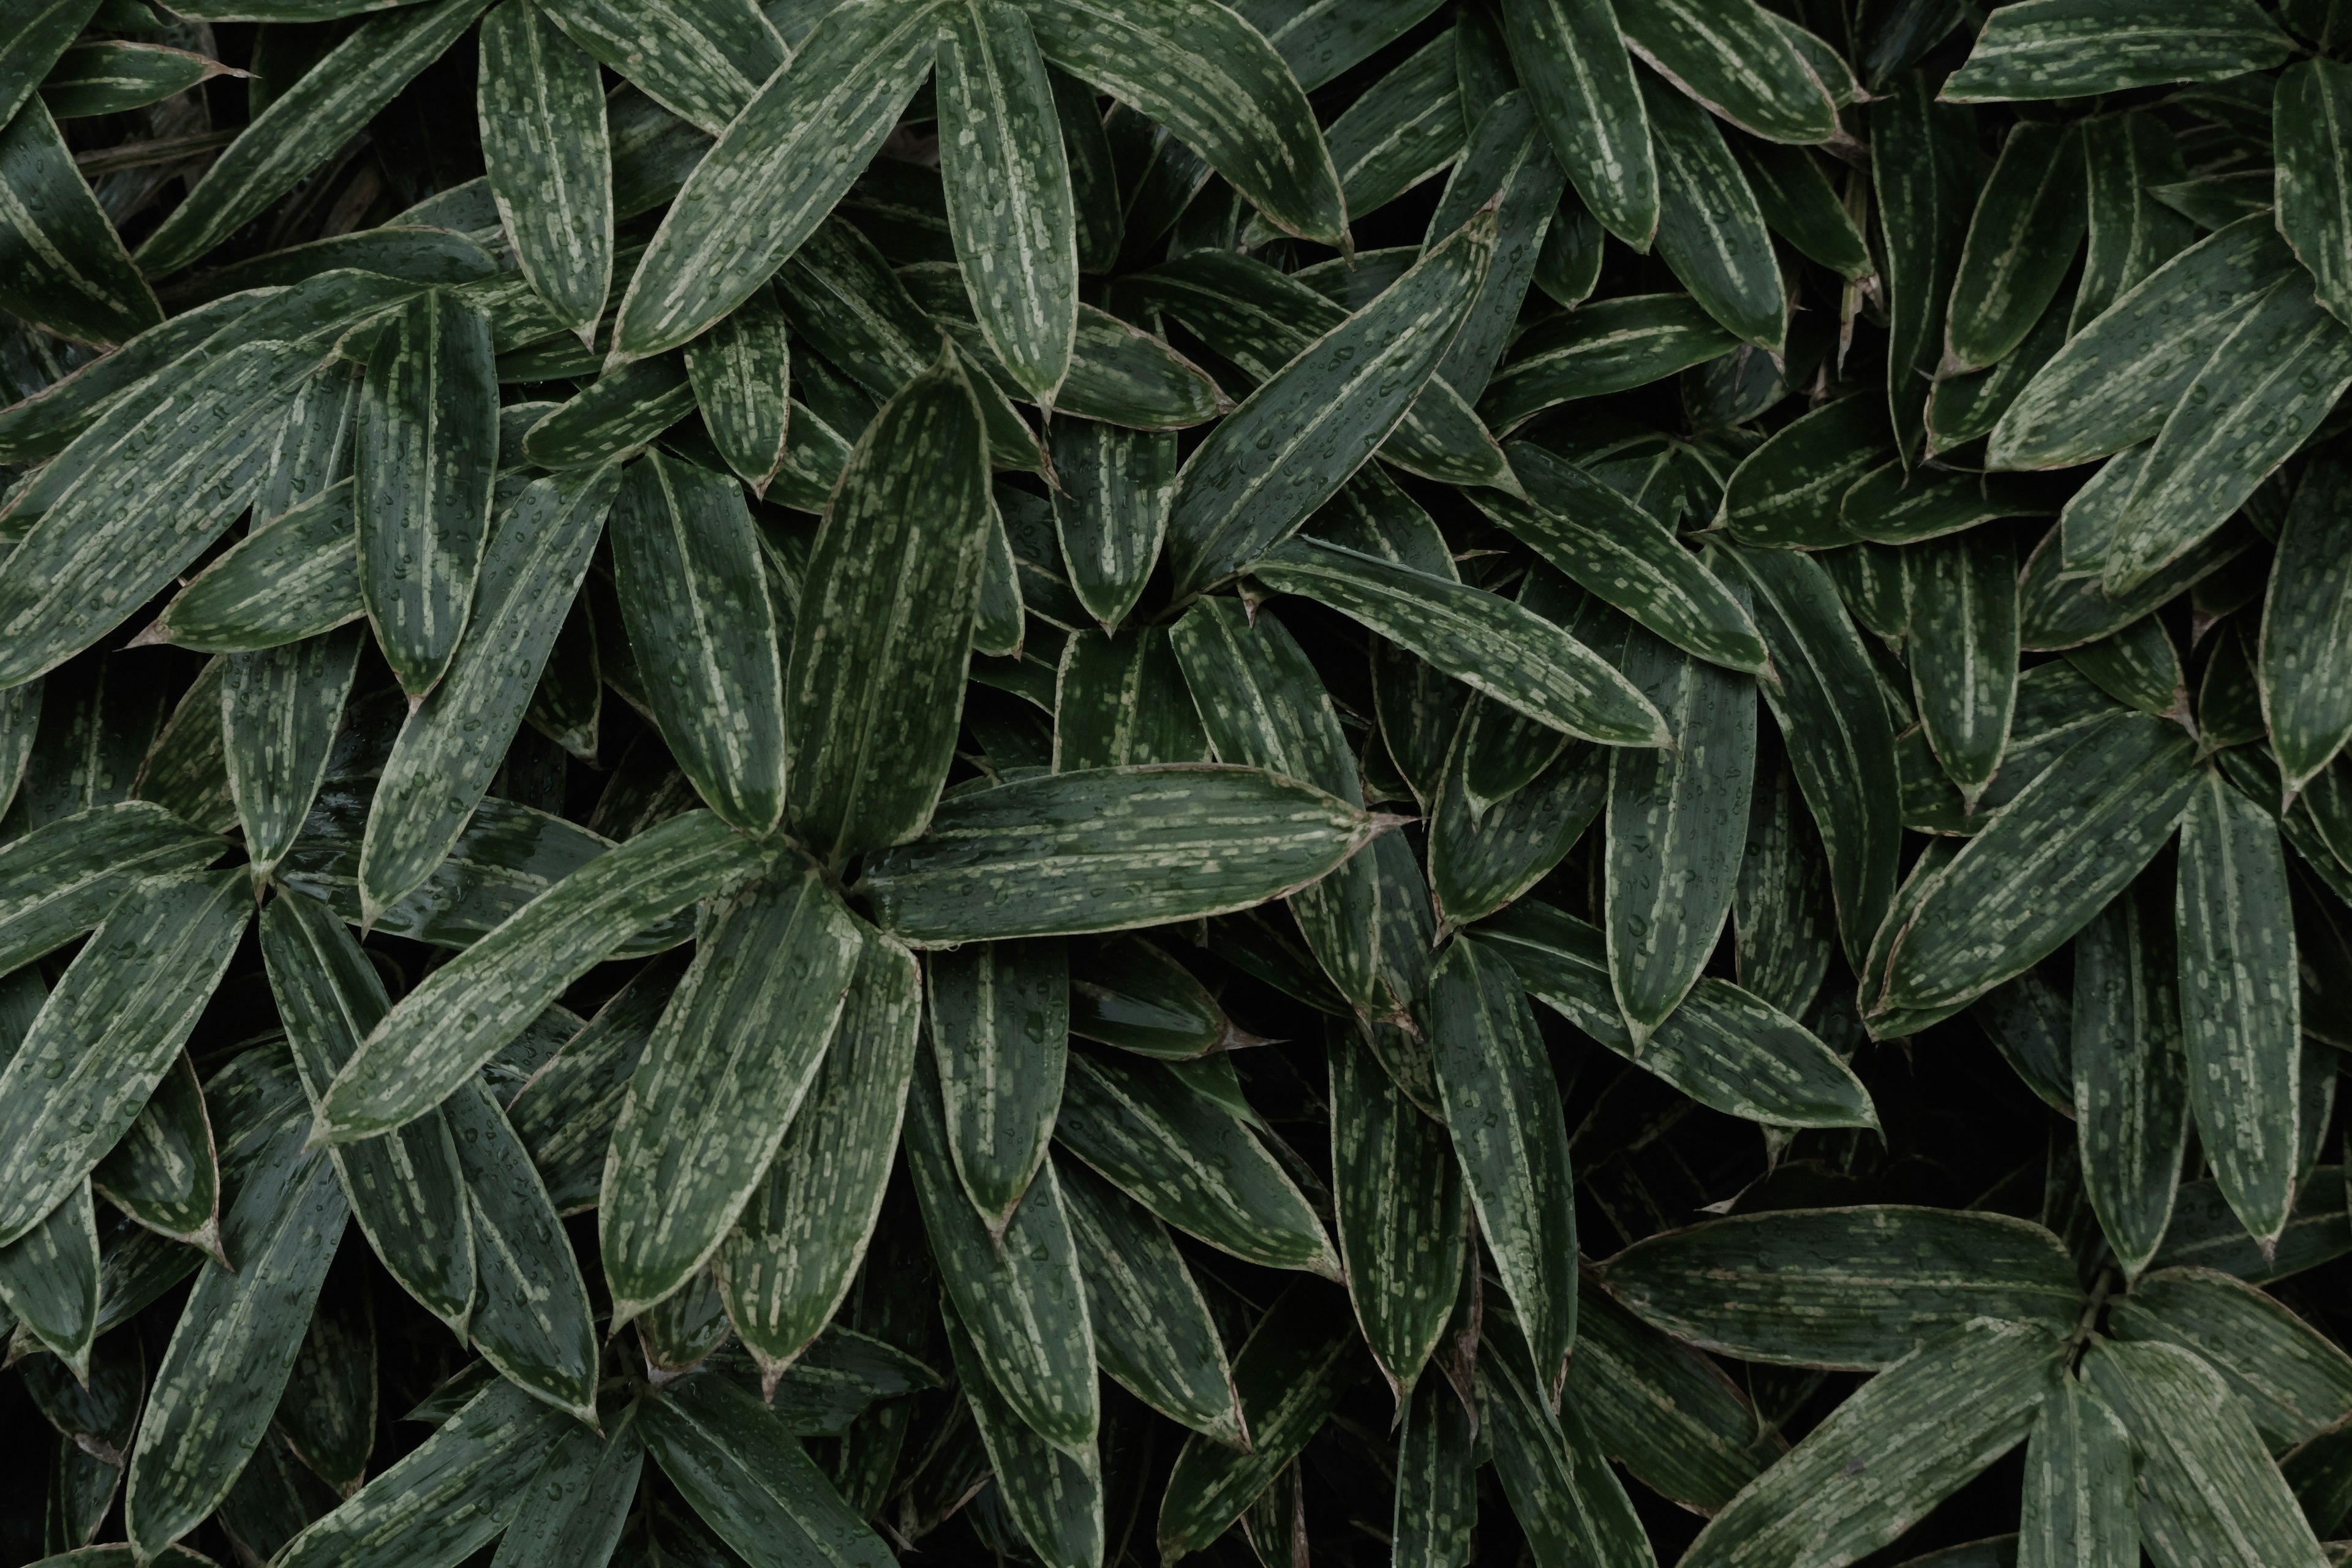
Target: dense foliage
<point>1084,781</point>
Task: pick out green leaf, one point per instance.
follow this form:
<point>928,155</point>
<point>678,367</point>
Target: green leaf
<point>1113,511</point>
<point>2055,611</point>
<point>459,1017</point>
<point>405,1188</point>
<point>1797,200</point>
<point>444,1499</point>
<point>545,141</point>
<point>1677,822</point>
<point>2119,378</point>
<point>2079,1507</point>
<point>2306,683</point>
<point>1505,1115</point>
<point>109,1032</point>
<point>1785,493</point>
<point>2268,385</point>
<point>1606,347</point>
<point>279,709</point>
<point>2315,199</point>
<point>1551,1468</point>
<point>2029,221</point>
<point>1189,1162</point>
<point>2131,233</point>
<point>1723,1047</point>
<point>2054,857</point>
<point>1923,170</point>
<point>114,78</point>
<point>1711,231</point>
<point>1000,1030</point>
<point>1008,191</point>
<point>1120,701</point>
<point>1493,646</point>
<point>1963,407</point>
<point>294,577</point>
<point>1734,57</point>
<point>1507,163</point>
<point>66,876</point>
<point>1129,993</point>
<point>686,562</point>
<point>1289,1373</point>
<point>427,446</point>
<point>584,1524</point>
<point>1903,1443</point>
<point>1960,595</point>
<point>1783,927</point>
<point>1055,1499</point>
<point>1214,81</point>
<point>1109,849</point>
<point>304,126</point>
<point>2207,1491</point>
<point>1397,1194</point>
<point>39,39</point>
<point>1019,1295</point>
<point>62,266</point>
<point>778,167</point>
<point>164,1173</point>
<point>1478,862</point>
<point>1403,129</point>
<point>869,714</point>
<point>1296,439</point>
<point>1576,71</point>
<point>1436,1500</point>
<point>739,369</point>
<point>2239,999</point>
<point>2074,48</point>
<point>236,1342</point>
<point>2131,1076</point>
<point>791,1257</point>
<point>1615,551</point>
<point>328,1413</point>
<point>2292,1380</point>
<point>564,1114</point>
<point>614,416</point>
<point>1861,1287</point>
<point>727,1067</point>
<point>703,60</point>
<point>1835,730</point>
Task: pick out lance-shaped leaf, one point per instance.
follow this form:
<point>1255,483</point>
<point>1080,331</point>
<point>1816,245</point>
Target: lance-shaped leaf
<point>1478,862</point>
<point>2050,860</point>
<point>884,625</point>
<point>292,578</point>
<point>405,1188</point>
<point>453,743</point>
<point>1711,231</point>
<point>1734,59</point>
<point>613,416</point>
<point>2239,999</point>
<point>1502,1109</point>
<point>1153,1333</point>
<point>2027,221</point>
<point>1397,1194</point>
<point>1606,347</point>
<point>1922,176</point>
<point>2131,233</point>
<point>1108,849</point>
<point>1008,191</point>
<point>328,1413</point>
<point>1677,822</point>
<point>740,371</point>
<point>43,34</point>
<point>1296,440</point>
<point>1783,927</point>
<point>1120,701</point>
<point>2305,651</point>
<point>720,1079</point>
<point>2207,1490</point>
<point>742,1473</point>
<point>791,1257</point>
<point>2072,49</point>
<point>1290,1371</point>
<point>1189,1162</point>
<point>66,876</point>
<point>2295,1382</point>
<point>237,1338</point>
<point>1837,738</point>
<point>2131,1076</point>
<point>459,1017</point>
<point>1020,1295</point>
<point>1858,1287</point>
<point>2314,185</point>
<point>1000,1028</point>
<point>50,1279</point>
<point>427,444</point>
<point>1906,1441</point>
<point>2116,380</point>
<point>1215,82</point>
<point>109,1032</point>
<point>1960,593</point>
<point>1785,494</point>
<point>777,169</point>
<point>2268,385</point>
<point>1803,207</point>
<point>564,1112</point>
<point>1490,643</point>
<point>1616,552</point>
<point>1573,66</point>
<point>695,600</point>
<point>701,59</point>
<point>166,1173</point>
<point>1551,1466</point>
<point>549,152</point>
<point>62,266</point>
<point>2079,1506</point>
<point>279,710</point>
<point>151,484</point>
<point>304,125</point>
<point>1055,1499</point>
<point>580,1503</point>
<point>1508,166</point>
<point>1113,511</point>
<point>1723,1047</point>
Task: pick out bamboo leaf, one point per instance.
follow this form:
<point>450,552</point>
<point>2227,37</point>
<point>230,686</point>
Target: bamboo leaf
<point>2069,48</point>
<point>2130,1072</point>
<point>62,266</point>
<point>545,139</point>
